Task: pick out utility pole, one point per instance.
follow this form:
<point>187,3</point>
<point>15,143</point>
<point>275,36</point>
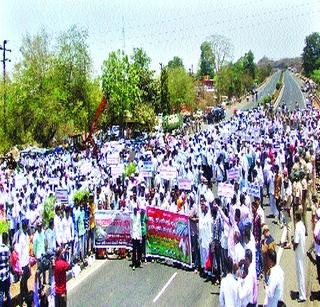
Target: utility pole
<point>4,59</point>
<point>123,35</point>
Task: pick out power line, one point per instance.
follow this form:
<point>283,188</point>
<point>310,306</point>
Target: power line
<point>4,60</point>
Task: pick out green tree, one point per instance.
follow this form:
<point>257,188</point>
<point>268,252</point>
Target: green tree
<point>311,53</point>
<point>316,76</point>
<point>147,82</point>
<point>120,83</point>
<point>207,60</point>
<point>181,89</point>
<point>36,104</point>
<point>164,106</point>
<point>175,63</point>
<point>72,76</point>
<point>249,65</point>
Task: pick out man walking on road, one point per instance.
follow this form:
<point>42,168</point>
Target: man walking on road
<point>299,250</point>
<point>274,289</point>
<point>229,290</point>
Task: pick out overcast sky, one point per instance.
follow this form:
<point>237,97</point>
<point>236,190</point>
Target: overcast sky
<point>165,28</point>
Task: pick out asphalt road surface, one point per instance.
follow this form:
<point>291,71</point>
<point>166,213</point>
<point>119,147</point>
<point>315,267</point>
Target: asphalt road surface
<point>267,89</point>
<point>291,93</point>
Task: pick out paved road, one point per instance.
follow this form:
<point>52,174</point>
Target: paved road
<point>265,90</point>
<point>292,92</point>
<point>115,284</point>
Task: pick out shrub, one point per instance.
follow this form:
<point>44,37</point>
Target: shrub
<point>81,196</point>
<point>48,210</point>
<point>130,169</point>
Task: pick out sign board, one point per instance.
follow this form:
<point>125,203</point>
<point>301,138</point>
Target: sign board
<point>112,229</point>
<point>62,196</point>
<point>184,184</point>
<point>113,159</point>
<point>233,173</point>
<point>225,189</point>
<point>168,172</point>
<point>253,190</point>
<point>168,236</point>
<point>117,170</point>
<point>146,170</point>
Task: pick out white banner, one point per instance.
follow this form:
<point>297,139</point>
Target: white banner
<point>184,184</point>
<point>168,172</point>
<point>225,190</point>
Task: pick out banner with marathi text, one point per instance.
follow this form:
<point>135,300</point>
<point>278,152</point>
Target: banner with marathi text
<point>112,229</point>
<point>168,236</point>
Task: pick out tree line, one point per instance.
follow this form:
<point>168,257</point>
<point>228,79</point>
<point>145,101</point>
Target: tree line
<point>311,57</point>
<point>52,92</point>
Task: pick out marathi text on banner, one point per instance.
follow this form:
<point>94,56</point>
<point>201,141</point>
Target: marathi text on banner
<point>62,196</point>
<point>168,172</point>
<point>112,229</point>
<point>233,173</point>
<point>184,184</point>
<point>169,236</point>
<point>112,159</point>
<point>146,170</point>
<point>253,190</point>
<point>225,189</point>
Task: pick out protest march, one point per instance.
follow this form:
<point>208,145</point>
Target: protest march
<point>195,200</point>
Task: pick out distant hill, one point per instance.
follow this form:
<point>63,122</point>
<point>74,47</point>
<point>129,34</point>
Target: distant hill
<point>282,63</point>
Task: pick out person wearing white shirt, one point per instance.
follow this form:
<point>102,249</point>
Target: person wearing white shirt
<point>239,252</point>
<point>245,285</point>
<point>23,251</point>
<point>299,251</point>
<point>274,288</point>
<point>229,289</point>
<point>136,236</point>
<point>205,236</point>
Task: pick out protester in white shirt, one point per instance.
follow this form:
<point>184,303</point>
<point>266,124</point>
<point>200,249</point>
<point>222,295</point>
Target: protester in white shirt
<point>229,289</point>
<point>136,236</point>
<point>299,251</point>
<point>23,242</point>
<point>274,288</point>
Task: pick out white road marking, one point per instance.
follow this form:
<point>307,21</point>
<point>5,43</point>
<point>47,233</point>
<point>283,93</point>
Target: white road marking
<point>165,287</point>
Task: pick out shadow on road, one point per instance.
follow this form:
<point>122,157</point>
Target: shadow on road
<point>315,296</point>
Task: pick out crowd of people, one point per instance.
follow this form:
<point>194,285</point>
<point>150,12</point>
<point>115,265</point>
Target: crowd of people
<point>231,242</point>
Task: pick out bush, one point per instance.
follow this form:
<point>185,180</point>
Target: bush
<point>4,226</point>
<point>266,100</point>
<point>48,210</point>
<point>81,196</point>
<point>278,85</point>
<point>130,169</point>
